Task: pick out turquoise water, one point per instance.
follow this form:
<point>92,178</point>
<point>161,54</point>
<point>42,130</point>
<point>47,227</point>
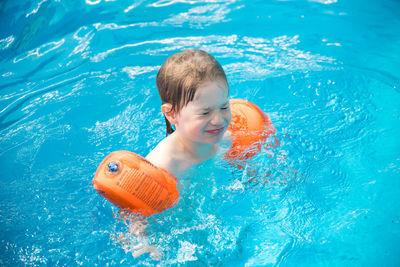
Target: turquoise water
<point>78,81</point>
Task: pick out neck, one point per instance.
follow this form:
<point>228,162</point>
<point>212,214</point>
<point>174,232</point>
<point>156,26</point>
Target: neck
<point>198,151</point>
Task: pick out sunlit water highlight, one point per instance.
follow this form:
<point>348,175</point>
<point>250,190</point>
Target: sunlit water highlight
<point>78,81</point>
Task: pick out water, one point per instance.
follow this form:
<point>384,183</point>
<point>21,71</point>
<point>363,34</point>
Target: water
<point>78,81</point>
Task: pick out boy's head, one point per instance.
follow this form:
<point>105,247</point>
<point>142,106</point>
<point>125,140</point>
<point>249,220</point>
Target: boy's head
<point>182,74</point>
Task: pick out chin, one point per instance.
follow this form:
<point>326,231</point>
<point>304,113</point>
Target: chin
<point>214,140</point>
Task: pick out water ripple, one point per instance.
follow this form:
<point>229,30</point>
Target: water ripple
<point>40,51</point>
<point>259,57</point>
<point>163,3</point>
<point>6,42</point>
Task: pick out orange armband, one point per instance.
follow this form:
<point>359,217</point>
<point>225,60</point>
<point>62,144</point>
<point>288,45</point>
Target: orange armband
<point>250,128</point>
<point>131,182</point>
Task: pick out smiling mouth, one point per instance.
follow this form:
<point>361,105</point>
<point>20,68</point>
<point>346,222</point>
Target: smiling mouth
<point>216,131</point>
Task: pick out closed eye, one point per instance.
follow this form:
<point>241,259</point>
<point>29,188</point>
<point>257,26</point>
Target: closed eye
<point>225,107</point>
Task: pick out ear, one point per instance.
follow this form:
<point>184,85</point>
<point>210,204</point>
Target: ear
<point>169,113</point>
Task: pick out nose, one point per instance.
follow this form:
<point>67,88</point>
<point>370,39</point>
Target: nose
<point>217,118</point>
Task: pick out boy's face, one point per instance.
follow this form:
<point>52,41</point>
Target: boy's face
<point>207,117</point>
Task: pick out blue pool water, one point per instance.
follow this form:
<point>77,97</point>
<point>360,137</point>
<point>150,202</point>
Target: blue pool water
<point>78,81</point>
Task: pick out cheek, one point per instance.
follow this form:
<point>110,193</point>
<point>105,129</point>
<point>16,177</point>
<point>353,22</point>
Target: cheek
<point>228,117</point>
<point>198,126</point>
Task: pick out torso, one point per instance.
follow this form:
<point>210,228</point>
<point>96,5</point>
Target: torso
<point>172,156</point>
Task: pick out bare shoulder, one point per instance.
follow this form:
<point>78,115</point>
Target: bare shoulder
<point>171,155</point>
<point>161,155</point>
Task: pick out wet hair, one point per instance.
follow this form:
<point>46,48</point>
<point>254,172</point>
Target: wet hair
<point>182,74</point>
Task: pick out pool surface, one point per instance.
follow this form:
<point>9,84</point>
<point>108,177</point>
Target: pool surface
<point>77,81</point>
